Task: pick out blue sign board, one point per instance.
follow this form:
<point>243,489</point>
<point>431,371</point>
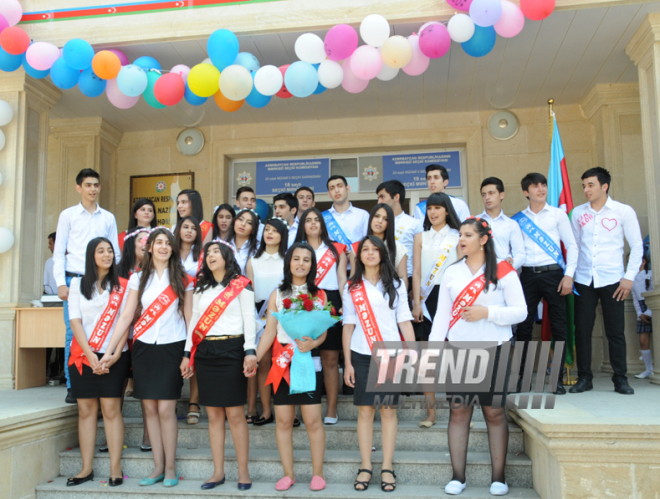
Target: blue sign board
<point>410,169</point>
<point>274,177</point>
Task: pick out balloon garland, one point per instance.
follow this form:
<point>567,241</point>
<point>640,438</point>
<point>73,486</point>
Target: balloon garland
<point>232,77</point>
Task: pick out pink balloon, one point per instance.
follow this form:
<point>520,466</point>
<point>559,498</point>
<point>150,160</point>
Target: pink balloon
<point>351,83</point>
<point>181,69</point>
<point>366,62</point>
<point>434,41</point>
<point>426,25</point>
<point>460,4</point>
<point>3,23</point>
<point>419,62</point>
<point>118,99</point>
<point>12,11</point>
<point>511,22</point>
<point>340,42</point>
<point>123,58</point>
<point>42,55</point>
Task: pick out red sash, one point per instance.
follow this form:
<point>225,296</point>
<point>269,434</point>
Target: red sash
<point>102,328</point>
<point>155,310</point>
<point>120,239</point>
<point>326,262</point>
<point>366,315</point>
<point>214,311</point>
<point>471,292</point>
<point>279,369</point>
<point>206,227</point>
<point>199,268</point>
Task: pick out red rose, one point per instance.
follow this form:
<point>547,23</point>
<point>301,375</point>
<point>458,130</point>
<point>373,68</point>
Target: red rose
<point>333,311</point>
<point>303,297</point>
<point>287,303</point>
<point>308,305</point>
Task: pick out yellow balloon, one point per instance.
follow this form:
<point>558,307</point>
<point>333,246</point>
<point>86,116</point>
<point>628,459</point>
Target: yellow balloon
<point>396,52</point>
<point>204,80</point>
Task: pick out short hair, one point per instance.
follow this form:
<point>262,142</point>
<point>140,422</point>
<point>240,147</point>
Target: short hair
<point>86,173</point>
<point>393,187</point>
<point>289,198</point>
<point>533,179</point>
<point>304,188</point>
<point>601,174</point>
<point>52,236</point>
<point>442,169</point>
<point>243,189</point>
<point>336,177</point>
<point>499,185</point>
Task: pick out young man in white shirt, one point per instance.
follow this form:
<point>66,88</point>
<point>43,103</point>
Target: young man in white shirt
<point>545,273</point>
<point>246,199</point>
<point>50,286</point>
<point>507,236</point>
<point>77,226</point>
<point>285,206</point>
<point>600,226</point>
<point>305,197</point>
<point>346,223</point>
<point>437,179</point>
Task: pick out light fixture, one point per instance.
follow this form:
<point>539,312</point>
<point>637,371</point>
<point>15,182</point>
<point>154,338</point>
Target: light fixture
<point>503,125</point>
<point>190,141</point>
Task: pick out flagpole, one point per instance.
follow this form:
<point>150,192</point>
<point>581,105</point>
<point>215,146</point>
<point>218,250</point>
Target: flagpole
<point>551,103</point>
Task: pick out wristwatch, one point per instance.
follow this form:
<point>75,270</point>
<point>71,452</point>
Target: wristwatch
<point>251,351</point>
<point>186,355</point>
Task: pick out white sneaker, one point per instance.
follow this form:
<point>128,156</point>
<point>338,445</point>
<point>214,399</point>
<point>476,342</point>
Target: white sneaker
<point>455,487</point>
<point>330,420</point>
<point>644,375</point>
<point>499,489</point>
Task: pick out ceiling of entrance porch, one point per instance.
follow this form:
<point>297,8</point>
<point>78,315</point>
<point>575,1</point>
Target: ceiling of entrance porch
<point>561,57</point>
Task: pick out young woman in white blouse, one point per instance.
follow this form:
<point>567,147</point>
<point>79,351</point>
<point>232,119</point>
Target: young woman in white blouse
<point>95,301</point>
<point>375,283</point>
<point>221,349</point>
<point>265,270</point>
<point>162,295</point>
<point>489,317</point>
<point>222,218</point>
<point>434,250</point>
<point>243,236</point>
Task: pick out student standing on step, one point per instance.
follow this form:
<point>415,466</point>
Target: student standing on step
<point>220,349</point>
<point>246,199</point>
<point>285,206</point>
<point>305,197</point>
<point>600,226</point>
<point>77,226</point>
<point>162,294</point>
<point>189,204</point>
<point>95,302</point>
<point>464,315</point>
<point>643,283</point>
<point>143,214</point>
<point>437,179</point>
<point>222,218</point>
<point>299,274</point>
<point>244,236</point>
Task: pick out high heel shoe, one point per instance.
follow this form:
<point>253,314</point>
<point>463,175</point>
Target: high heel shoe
<point>77,480</point>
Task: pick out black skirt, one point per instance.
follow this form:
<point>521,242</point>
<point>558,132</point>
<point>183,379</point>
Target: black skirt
<point>93,386</point>
<point>157,370</point>
<point>220,378</point>
<point>333,340</point>
<point>360,394</point>
<point>423,329</point>
<point>283,397</point>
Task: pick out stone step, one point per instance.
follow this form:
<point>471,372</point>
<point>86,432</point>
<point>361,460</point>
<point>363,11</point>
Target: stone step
<point>412,467</point>
<point>340,436</point>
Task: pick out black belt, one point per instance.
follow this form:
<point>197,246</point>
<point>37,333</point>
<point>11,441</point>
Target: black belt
<point>71,274</point>
<point>542,268</point>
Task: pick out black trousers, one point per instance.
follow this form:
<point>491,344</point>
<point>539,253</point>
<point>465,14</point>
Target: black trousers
<point>613,318</point>
<point>537,287</point>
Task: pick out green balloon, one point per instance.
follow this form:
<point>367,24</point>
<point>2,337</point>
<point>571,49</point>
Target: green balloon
<point>149,97</point>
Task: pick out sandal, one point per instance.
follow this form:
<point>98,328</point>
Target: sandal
<point>251,419</point>
<point>193,416</point>
<point>384,485</point>
<point>365,485</point>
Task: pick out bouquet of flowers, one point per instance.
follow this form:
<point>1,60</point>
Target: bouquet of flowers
<point>305,316</point>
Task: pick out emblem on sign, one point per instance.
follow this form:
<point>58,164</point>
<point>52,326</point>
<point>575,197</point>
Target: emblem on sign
<point>244,178</point>
<point>161,186</point>
<point>370,173</point>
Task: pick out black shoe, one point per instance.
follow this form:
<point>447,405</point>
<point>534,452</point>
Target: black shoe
<point>296,423</point>
<point>145,448</point>
<point>104,448</point>
<point>560,388</point>
<point>78,480</point>
<point>582,385</point>
<point>260,421</point>
<point>622,386</point>
<point>212,485</point>
<point>70,399</point>
<point>115,482</point>
<point>244,486</point>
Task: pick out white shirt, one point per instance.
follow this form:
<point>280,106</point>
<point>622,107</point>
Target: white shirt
<point>50,286</point>
<point>268,271</point>
<point>388,319</point>
<point>554,222</point>
<point>171,326</point>
<point>506,306</point>
<point>191,265</point>
<point>639,287</point>
<point>354,222</point>
<point>401,251</point>
<point>243,254</point>
<point>460,207</point>
<point>432,241</point>
<point>238,318</point>
<point>293,232</point>
<point>89,311</point>
<point>508,238</point>
<point>599,237</point>
<point>406,227</point>
<point>330,281</point>
<point>76,227</point>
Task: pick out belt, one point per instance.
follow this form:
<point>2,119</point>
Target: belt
<point>72,274</point>
<point>220,338</point>
<point>542,268</point>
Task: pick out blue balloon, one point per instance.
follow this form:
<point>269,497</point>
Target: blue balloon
<point>248,61</point>
<point>319,89</point>
<point>301,79</point>
<point>147,62</point>
<point>255,99</point>
<point>62,75</point>
<point>482,42</point>
<point>262,209</point>
<point>34,73</point>
<point>192,99</point>
<point>132,80</point>
<point>78,54</point>
<point>222,48</point>
<point>90,84</point>
<point>9,62</point>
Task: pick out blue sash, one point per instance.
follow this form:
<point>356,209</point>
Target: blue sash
<point>540,238</point>
<point>422,207</point>
<point>335,231</point>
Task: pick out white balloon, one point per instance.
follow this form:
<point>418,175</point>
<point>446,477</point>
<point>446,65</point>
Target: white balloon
<point>6,113</point>
<point>12,10</point>
<point>6,239</point>
<point>387,73</point>
<point>268,80</point>
<point>461,28</point>
<point>0,178</point>
<point>310,48</point>
<point>374,30</point>
<point>2,140</point>
<point>331,74</point>
<point>235,82</point>
<point>207,61</point>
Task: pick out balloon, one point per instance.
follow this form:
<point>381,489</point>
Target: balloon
<point>227,105</point>
<point>352,83</point>
<point>511,22</point>
<point>235,82</point>
<point>123,58</point>
<point>310,48</point>
<point>116,97</point>
<point>12,11</point>
<point>255,99</point>
<point>366,62</point>
<point>340,42</point>
<point>6,237</point>
<point>248,61</point>
<point>460,28</point>
<point>536,10</point>
<point>78,53</point>
<point>283,92</point>
<point>485,12</point>
<point>204,80</point>
<point>6,113</point>
<point>301,79</point>
<point>207,61</point>
<point>34,73</point>
<point>63,76</point>
<point>268,80</point>
<point>419,62</point>
<point>222,48</point>
<point>149,96</point>
<point>3,23</point>
<point>481,43</point>
<point>169,89</point>
<point>3,140</point>
<point>42,55</point>
<point>396,51</point>
<point>147,62</point>
<point>434,40</point>
<point>132,80</point>
<point>262,209</point>
<point>14,40</point>
<point>106,65</point>
<point>181,69</point>
<point>319,89</point>
<point>9,62</point>
<point>460,4</point>
<point>374,30</point>
<point>331,74</point>
<point>192,99</point>
<point>387,73</point>
<point>90,84</point>
<point>426,25</point>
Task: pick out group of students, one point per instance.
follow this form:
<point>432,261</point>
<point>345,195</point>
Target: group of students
<point>198,302</point>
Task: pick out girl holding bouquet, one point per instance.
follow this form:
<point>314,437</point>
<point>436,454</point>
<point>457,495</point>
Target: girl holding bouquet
<point>299,275</point>
<point>379,293</point>
<point>243,236</point>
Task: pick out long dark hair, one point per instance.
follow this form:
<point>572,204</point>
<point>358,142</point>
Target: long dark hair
<point>88,281</point>
<point>132,223</point>
<point>390,242</point>
<point>482,228</point>
<point>128,257</point>
<point>252,240</point>
<point>282,230</point>
<point>178,277</point>
<point>197,245</point>
<point>442,199</point>
<point>287,281</point>
<point>205,279</point>
<point>388,276</point>
<point>195,200</point>
<point>301,236</point>
<point>216,227</point>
